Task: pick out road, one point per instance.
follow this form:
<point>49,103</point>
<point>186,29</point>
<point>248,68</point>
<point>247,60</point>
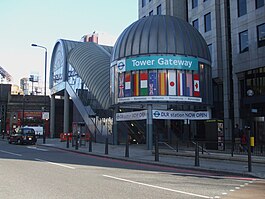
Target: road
<point>43,172</point>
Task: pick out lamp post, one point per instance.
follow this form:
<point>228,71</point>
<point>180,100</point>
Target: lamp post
<point>250,93</point>
<point>35,45</point>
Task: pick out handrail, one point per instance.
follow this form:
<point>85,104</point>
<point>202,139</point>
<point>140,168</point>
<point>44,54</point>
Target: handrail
<point>170,147</point>
<point>201,148</point>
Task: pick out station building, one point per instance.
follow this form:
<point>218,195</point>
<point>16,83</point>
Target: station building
<point>156,80</point>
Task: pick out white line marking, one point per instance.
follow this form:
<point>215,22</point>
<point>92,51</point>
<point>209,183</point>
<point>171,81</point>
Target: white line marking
<point>224,193</point>
<point>158,187</point>
<point>232,190</point>
<point>38,149</point>
<point>10,153</point>
<point>57,164</point>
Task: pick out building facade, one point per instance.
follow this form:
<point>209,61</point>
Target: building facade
<point>235,35</point>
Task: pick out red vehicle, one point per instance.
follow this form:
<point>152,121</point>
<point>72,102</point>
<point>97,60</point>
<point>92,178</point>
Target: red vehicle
<point>23,136</point>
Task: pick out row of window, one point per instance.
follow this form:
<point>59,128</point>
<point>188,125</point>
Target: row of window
<point>158,11</point>
<point>144,2</point>
<point>207,23</point>
<point>243,38</point>
<point>195,3</point>
<point>242,6</point>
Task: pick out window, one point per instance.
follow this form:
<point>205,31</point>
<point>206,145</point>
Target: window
<point>151,13</point>
<point>210,46</point>
<point>143,3</point>
<point>195,24</point>
<point>242,7</point>
<point>261,35</point>
<point>194,3</point>
<point>243,41</point>
<point>207,22</point>
<point>159,10</point>
<point>259,3</point>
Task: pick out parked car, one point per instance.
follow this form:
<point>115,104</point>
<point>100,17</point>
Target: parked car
<point>23,136</point>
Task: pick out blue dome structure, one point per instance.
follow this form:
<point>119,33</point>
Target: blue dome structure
<point>160,34</point>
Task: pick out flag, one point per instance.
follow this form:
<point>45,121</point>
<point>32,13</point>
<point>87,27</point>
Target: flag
<point>181,83</point>
<point>189,87</point>
<point>172,88</point>
<point>152,83</point>
<point>143,82</point>
<point>162,82</point>
<point>196,85</point>
<point>121,84</point>
<point>135,80</point>
<point>127,84</point>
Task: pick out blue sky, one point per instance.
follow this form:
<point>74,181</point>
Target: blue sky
<point>43,22</point>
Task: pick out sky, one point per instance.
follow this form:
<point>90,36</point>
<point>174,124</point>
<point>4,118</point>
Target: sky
<point>43,22</point>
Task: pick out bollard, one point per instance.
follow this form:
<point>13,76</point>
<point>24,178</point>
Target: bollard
<point>249,152</point>
<point>156,148</point>
<point>67,141</point>
<point>76,143</point>
<point>177,146</point>
<point>106,146</point>
<point>202,148</point>
<point>127,149</point>
<point>90,145</point>
<point>197,160</point>
<point>232,149</point>
<point>73,144</point>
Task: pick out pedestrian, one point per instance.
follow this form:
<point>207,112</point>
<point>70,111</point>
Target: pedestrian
<point>237,137</point>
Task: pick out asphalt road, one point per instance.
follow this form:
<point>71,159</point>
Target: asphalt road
<point>43,172</point>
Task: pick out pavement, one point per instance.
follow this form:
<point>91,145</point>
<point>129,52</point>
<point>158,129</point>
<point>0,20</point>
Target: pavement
<point>185,159</point>
<point>212,161</point>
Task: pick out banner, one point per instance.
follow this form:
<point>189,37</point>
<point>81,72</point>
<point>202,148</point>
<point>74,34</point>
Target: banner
<point>162,82</point>
<point>180,115</point>
<point>127,84</point>
<point>143,82</point>
<point>128,116</point>
<point>172,82</point>
<point>152,83</point>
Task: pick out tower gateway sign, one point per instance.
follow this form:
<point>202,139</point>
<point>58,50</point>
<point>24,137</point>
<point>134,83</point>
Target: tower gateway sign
<point>158,62</point>
<point>158,78</point>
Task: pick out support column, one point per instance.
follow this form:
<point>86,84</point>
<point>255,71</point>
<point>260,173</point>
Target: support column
<point>66,113</point>
<point>115,126</point>
<point>52,117</point>
<point>149,128</point>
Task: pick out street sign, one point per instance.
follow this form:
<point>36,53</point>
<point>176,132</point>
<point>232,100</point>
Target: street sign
<point>45,115</point>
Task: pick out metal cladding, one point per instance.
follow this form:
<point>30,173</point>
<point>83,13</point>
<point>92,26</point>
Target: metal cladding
<point>160,34</point>
<point>91,62</point>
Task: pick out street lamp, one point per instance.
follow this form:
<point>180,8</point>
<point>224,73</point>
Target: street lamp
<point>250,93</point>
<point>35,45</point>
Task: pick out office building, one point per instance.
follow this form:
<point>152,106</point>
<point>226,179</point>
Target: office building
<point>235,35</point>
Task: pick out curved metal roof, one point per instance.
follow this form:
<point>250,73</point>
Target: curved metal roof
<point>160,34</point>
<point>91,62</point>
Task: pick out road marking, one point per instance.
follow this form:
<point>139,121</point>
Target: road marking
<point>10,153</point>
<point>57,164</point>
<point>158,187</point>
<point>35,148</point>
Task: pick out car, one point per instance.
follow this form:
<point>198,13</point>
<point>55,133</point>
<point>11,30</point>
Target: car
<point>23,136</point>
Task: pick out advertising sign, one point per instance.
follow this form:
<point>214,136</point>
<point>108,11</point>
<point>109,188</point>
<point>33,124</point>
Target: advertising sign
<point>128,116</point>
<point>158,62</point>
<point>180,115</point>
